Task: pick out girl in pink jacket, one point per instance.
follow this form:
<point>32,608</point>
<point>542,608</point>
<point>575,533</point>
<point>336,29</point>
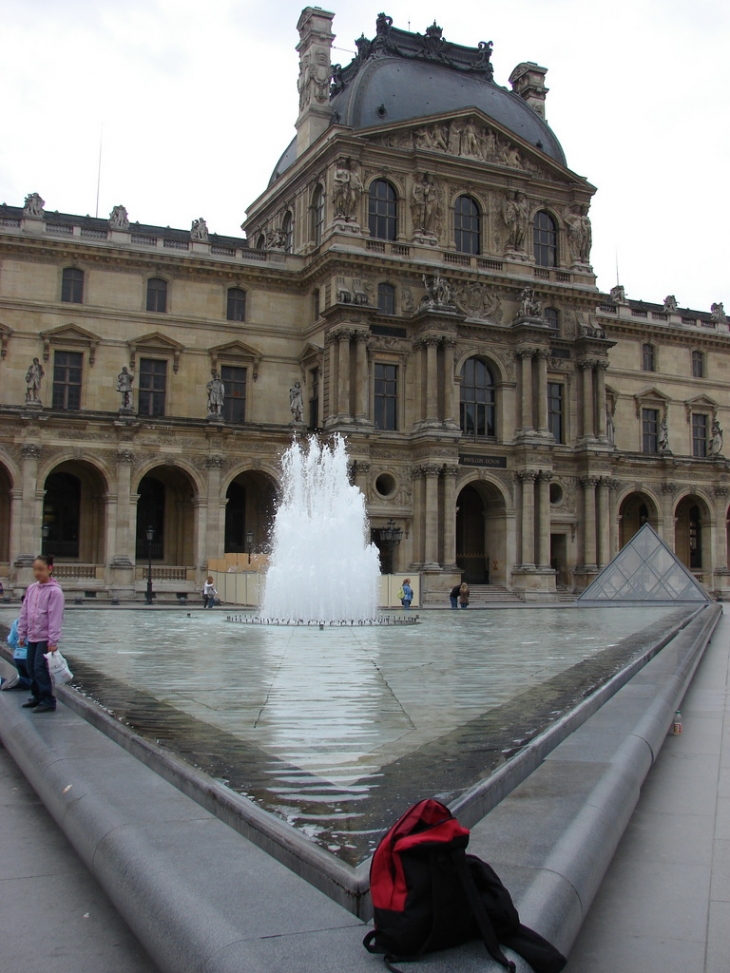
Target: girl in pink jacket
<point>39,626</point>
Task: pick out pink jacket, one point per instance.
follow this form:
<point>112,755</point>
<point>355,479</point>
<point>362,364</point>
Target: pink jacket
<point>42,613</point>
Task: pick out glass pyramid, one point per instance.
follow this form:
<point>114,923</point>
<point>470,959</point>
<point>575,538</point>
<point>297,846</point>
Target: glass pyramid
<point>644,571</point>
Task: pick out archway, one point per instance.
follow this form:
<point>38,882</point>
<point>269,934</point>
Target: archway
<point>636,510</point>
<point>250,504</point>
<point>165,503</point>
<point>692,533</point>
<point>73,513</point>
<point>6,486</point>
<point>481,534</point>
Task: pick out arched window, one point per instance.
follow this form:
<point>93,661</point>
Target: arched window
<point>383,210</point>
<point>288,228</point>
<point>317,214</point>
<point>236,307</point>
<point>386,298</point>
<point>72,285</point>
<point>260,242</point>
<point>546,240</point>
<point>552,317</point>
<point>477,413</point>
<point>157,294</point>
<point>698,364</point>
<point>467,232</point>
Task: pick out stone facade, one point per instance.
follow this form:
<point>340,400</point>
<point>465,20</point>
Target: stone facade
<point>428,283</point>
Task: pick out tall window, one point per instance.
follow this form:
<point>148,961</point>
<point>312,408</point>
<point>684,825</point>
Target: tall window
<point>317,214</point>
<point>648,358</point>
<point>315,303</point>
<point>157,294</point>
<point>650,430</point>
<point>698,364</point>
<point>67,379</point>
<point>556,411</point>
<point>477,412</point>
<point>62,514</point>
<point>236,306</point>
<point>314,398</point>
<point>152,387</point>
<point>383,210</point>
<point>467,232</point>
<point>72,285</point>
<point>234,402</point>
<point>386,396</point>
<point>288,228</point>
<point>545,234</point>
<point>695,538</point>
<point>699,435</point>
<point>386,298</point>
<point>551,316</point>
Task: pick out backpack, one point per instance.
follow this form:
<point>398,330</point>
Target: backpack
<point>401,594</point>
<point>428,894</point>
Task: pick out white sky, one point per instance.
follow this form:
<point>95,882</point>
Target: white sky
<point>198,100</point>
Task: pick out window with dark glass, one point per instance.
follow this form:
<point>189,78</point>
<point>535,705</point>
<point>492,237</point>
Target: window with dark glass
<point>62,514</point>
<point>67,379</point>
<point>545,234</point>
<point>261,242</point>
<point>695,538</point>
<point>152,387</point>
<point>72,286</point>
<point>383,210</point>
<point>477,408</point>
<point>467,232</point>
<point>234,400</point>
<point>288,228</point>
<point>650,430</point>
<point>648,358</point>
<point>236,306</point>
<point>386,396</point>
<point>551,316</point>
<point>698,364</point>
<point>314,398</point>
<point>157,294</point>
<point>317,215</point>
<point>386,298</point>
<point>555,411</point>
<point>699,435</point>
<point>315,303</point>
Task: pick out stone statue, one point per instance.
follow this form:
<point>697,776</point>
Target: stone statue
<point>296,402</point>
<point>514,214</point>
<point>199,231</point>
<point>425,206</point>
<point>470,141</point>
<point>437,290</point>
<point>670,304</point>
<point>276,239</point>
<point>716,440</point>
<point>216,395</point>
<point>664,436</point>
<point>33,206</point>
<point>580,235</point>
<point>717,313</point>
<point>610,426</point>
<point>618,294</point>
<point>124,385</point>
<point>347,187</point>
<point>33,379</point>
<point>530,307</point>
<point>510,156</point>
<point>118,218</point>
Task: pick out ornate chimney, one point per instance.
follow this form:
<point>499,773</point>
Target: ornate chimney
<point>315,43</point>
<point>528,81</point>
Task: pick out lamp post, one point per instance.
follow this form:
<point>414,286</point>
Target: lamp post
<point>45,531</point>
<point>249,544</point>
<point>391,536</point>
<point>150,538</point>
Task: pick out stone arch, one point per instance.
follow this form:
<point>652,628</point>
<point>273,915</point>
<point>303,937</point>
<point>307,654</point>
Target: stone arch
<point>635,508</point>
<point>6,508</point>
<point>74,510</point>
<point>178,463</point>
<point>693,530</point>
<point>494,361</point>
<point>481,530</point>
<point>250,503</point>
<point>166,497</point>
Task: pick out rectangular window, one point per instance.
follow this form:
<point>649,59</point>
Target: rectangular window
<point>67,379</point>
<point>386,396</point>
<point>234,401</point>
<point>152,387</point>
<point>314,398</point>
<point>648,358</point>
<point>650,430</point>
<point>555,411</point>
<point>698,364</point>
<point>699,435</point>
<point>72,286</point>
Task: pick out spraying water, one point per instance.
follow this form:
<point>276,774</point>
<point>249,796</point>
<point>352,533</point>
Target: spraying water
<point>323,568</point>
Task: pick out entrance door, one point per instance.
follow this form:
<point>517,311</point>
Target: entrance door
<point>471,553</point>
<point>559,558</point>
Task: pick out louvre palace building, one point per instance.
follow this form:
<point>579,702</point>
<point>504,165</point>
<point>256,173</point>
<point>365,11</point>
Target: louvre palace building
<point>420,265</point>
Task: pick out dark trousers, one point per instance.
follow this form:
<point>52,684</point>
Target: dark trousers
<point>454,601</point>
<point>24,680</point>
<point>41,686</point>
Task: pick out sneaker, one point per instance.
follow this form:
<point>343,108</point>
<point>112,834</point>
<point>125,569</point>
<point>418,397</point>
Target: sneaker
<point>10,684</point>
<point>44,708</point>
<point>31,703</point>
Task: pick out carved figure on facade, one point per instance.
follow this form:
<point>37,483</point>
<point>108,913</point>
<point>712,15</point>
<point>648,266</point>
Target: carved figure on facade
<point>438,291</point>
<point>717,313</point>
<point>610,426</point>
<point>670,304</point>
<point>529,307</point>
<point>426,209</point>
<point>432,137</point>
<point>33,379</point>
<point>124,386</point>
<point>715,446</point>
<point>199,230</point>
<point>216,395</point>
<point>509,155</point>
<point>296,403</point>
<point>587,325</point>
<point>314,79</point>
<point>347,189</point>
<point>514,214</point>
<point>276,239</point>
<point>118,218</point>
<point>580,234</point>
<point>407,302</point>
<point>618,294</point>
<point>664,435</point>
<point>33,206</point>
<point>478,300</point>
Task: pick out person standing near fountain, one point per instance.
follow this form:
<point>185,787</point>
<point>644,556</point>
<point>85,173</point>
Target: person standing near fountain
<point>464,595</point>
<point>209,593</point>
<point>454,595</point>
<point>406,594</point>
<point>40,623</point>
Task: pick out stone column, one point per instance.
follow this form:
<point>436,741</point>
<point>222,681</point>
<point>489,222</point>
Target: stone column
<point>669,491</point>
<point>343,375</point>
<point>543,518</point>
<point>525,357</point>
<point>29,539</point>
<point>614,538</point>
<point>527,479</point>
<point>720,493</point>
<point>16,523</point>
<point>332,382</point>
<point>450,474</point>
<point>586,367</point>
<point>201,551</point>
<point>542,390</point>
<point>125,529</point>
<point>362,392</point>
<point>601,367</point>
<point>604,522</point>
<point>431,519</point>
<point>430,343</point>
<point>451,387</point>
<point>214,541</point>
<point>589,521</point>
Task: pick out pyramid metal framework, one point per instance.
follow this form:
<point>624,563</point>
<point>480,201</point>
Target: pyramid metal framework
<point>644,571</point>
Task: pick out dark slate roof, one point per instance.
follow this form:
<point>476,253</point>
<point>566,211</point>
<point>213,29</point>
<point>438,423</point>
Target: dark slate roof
<point>604,300</point>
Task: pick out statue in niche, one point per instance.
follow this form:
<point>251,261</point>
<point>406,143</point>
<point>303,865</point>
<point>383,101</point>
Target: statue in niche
<point>715,448</point>
<point>529,307</point>
<point>33,206</point>
<point>33,379</point>
<point>124,386</point>
<point>514,214</point>
<point>610,426</point>
<point>717,313</point>
<point>216,395</point>
<point>118,218</point>
<point>425,206</point>
<point>347,187</point>
<point>580,235</point>
<point>664,435</point>
<point>618,294</point>
<point>199,231</point>
<point>438,292</point>
<point>296,403</point>
<point>670,304</point>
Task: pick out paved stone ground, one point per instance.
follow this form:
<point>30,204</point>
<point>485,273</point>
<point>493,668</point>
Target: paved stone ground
<point>54,916</point>
<point>665,902</point>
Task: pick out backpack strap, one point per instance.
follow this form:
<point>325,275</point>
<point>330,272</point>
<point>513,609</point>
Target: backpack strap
<point>479,911</point>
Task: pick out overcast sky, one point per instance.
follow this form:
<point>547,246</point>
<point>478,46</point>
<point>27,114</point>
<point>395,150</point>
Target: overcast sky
<point>198,100</point>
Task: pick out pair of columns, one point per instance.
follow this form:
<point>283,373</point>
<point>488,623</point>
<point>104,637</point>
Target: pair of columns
<point>444,408</point>
<point>431,473</point>
<point>346,402</point>
<point>597,521</point>
<point>535,481</point>
<point>593,398</point>
<point>533,390</point>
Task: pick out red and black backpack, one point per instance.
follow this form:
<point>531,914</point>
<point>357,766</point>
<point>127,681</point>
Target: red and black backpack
<point>428,894</point>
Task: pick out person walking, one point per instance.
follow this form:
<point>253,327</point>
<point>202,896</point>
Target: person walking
<point>406,594</point>
<point>454,596</point>
<point>209,593</point>
<point>464,595</point>
<point>39,628</point>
